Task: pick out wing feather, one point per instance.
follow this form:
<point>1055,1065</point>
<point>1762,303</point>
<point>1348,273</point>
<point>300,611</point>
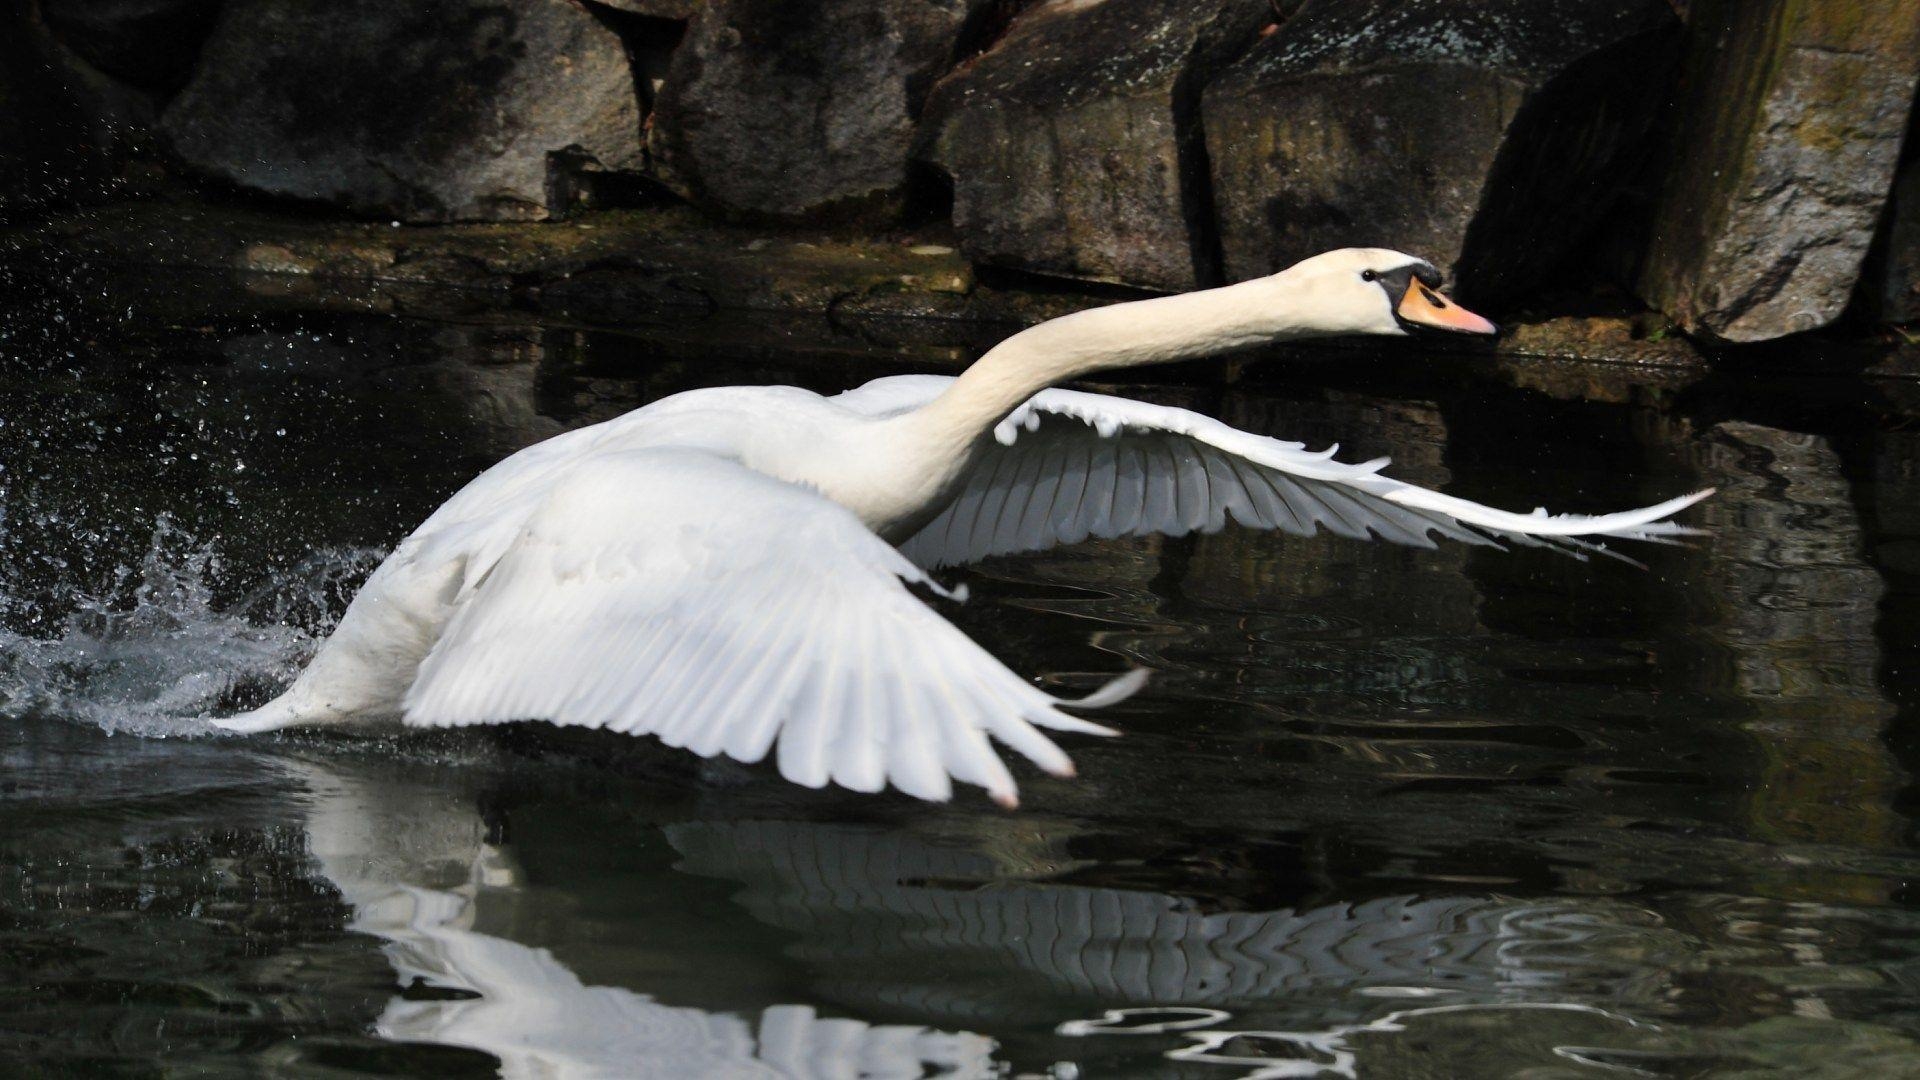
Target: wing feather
<point>679,594</point>
<point>1103,489</point>
<point>915,767</point>
<point>1195,495</point>
<point>1129,488</point>
<point>1038,516</point>
<point>1236,499</point>
<point>991,502</point>
<point>1158,508</point>
<point>1076,467</point>
<point>1274,509</point>
<point>1068,465</point>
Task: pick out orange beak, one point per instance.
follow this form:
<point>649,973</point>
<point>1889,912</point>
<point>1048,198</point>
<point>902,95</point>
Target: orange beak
<point>1428,308</point>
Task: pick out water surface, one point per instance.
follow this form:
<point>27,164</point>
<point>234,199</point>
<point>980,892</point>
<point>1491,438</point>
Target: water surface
<point>1384,813</point>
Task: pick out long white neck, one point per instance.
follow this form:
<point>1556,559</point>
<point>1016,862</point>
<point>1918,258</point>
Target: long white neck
<point>1156,331</point>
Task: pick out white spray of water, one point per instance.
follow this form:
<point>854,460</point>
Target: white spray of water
<point>153,654</point>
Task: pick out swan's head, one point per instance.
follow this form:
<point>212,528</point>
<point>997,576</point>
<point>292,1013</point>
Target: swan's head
<point>1372,291</point>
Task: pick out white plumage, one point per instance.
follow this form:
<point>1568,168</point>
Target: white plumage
<point>677,594</point>
<point>715,569</point>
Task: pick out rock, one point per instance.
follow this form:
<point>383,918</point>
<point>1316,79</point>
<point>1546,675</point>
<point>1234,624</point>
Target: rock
<point>149,43</point>
<point>681,10</point>
<point>1074,144</point>
<point>1604,339</point>
<point>466,110</point>
<point>1789,131</point>
<point>1485,136</point>
<point>1899,297</point>
<point>780,110</point>
<point>651,30</point>
<point>1892,284</point>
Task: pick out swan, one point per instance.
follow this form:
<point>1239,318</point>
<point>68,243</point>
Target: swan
<point>728,569</point>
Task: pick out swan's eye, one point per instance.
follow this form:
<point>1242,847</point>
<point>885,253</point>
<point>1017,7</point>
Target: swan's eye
<point>1368,275</point>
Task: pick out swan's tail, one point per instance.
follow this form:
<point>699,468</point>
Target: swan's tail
<point>327,693</point>
<point>369,660</point>
<point>274,715</point>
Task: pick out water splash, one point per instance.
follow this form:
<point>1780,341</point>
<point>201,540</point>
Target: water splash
<point>152,652</point>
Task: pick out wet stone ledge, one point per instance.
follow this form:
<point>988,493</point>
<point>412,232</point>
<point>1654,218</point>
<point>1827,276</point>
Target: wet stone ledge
<point>901,297</point>
<point>604,262</point>
<point>613,267</point>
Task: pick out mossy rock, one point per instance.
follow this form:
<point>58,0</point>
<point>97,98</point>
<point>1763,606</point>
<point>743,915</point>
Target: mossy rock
<point>1783,157</point>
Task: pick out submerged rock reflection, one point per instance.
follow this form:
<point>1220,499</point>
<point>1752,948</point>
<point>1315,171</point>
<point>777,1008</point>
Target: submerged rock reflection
<point>1795,608</point>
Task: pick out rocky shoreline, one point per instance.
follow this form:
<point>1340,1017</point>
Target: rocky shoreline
<point>1661,186</point>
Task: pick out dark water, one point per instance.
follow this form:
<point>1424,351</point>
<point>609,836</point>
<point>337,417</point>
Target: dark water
<point>1386,813</point>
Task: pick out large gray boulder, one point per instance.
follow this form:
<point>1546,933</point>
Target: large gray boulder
<point>1485,135</point>
<point>465,110</point>
<point>1074,144</point>
<point>780,110</point>
<point>1786,146</point>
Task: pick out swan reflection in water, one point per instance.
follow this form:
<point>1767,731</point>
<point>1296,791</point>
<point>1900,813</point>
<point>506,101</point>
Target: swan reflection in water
<point>874,908</point>
<point>1264,995</point>
<point>416,866</point>
<point>870,912</point>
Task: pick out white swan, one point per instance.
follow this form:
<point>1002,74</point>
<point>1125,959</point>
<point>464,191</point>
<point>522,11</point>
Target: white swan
<point>715,569</point>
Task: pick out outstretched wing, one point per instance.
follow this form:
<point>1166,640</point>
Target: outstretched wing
<point>682,595</point>
<point>1068,465</point>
